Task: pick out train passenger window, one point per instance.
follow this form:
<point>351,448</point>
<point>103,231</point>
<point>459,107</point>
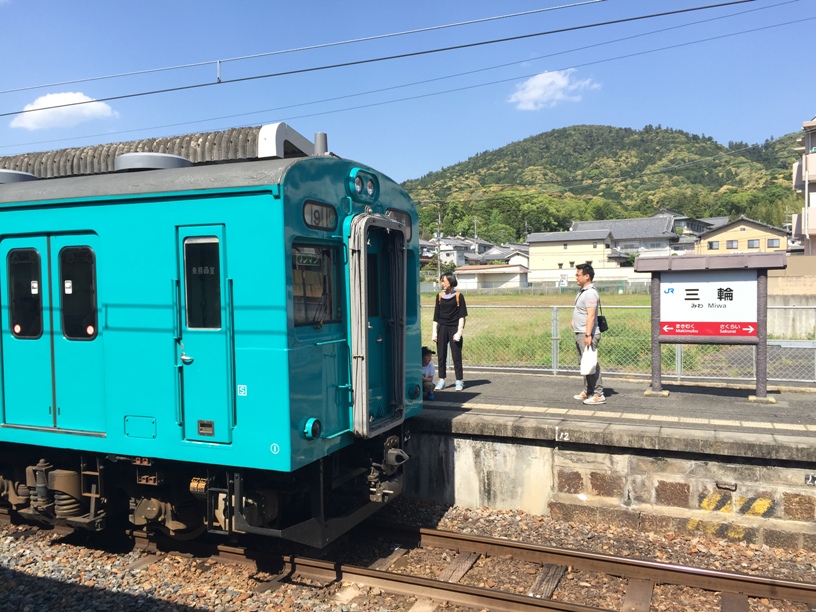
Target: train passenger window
<point>202,282</point>
<point>404,218</point>
<point>314,284</point>
<point>25,293</point>
<point>78,293</point>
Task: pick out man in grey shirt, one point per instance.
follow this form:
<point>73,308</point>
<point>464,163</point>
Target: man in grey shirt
<point>587,334</point>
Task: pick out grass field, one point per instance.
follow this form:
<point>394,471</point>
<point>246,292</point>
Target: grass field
<point>534,331</point>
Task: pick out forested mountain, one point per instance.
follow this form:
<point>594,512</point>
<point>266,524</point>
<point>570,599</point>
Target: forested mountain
<point>585,172</point>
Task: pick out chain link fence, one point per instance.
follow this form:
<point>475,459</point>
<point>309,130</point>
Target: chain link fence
<point>541,338</point>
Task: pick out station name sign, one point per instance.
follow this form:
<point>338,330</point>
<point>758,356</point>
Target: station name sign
<point>710,303</point>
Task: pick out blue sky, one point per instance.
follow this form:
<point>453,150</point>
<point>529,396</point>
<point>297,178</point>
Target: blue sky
<point>738,72</point>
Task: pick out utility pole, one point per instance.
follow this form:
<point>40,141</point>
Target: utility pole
<point>438,241</point>
<point>475,235</point>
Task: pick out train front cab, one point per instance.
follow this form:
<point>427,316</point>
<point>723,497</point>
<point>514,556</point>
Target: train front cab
<point>350,332</point>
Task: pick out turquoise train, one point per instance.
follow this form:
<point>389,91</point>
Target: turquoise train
<point>216,332</point>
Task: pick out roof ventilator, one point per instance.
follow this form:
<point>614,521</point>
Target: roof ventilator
<point>15,176</point>
<point>281,141</point>
<point>129,162</point>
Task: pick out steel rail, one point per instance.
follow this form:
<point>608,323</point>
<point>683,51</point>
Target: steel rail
<point>403,584</point>
<point>663,573</point>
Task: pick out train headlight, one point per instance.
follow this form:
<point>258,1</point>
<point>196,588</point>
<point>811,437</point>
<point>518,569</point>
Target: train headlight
<point>312,429</point>
<point>363,186</point>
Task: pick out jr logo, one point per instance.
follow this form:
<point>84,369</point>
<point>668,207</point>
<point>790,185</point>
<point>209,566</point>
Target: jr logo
<point>669,290</point>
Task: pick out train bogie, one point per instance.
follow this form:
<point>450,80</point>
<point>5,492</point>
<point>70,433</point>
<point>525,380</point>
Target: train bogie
<point>231,347</point>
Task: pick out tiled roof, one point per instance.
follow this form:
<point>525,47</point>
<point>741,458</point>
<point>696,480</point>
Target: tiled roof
<point>629,229</point>
<point>714,222</point>
<point>744,219</point>
<point>492,268</point>
<point>595,234</point>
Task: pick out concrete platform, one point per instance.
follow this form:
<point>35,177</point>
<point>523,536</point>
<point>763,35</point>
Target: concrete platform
<point>689,416</point>
<point>704,458</point>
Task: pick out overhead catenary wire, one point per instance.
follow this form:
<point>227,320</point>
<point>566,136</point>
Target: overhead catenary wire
<point>218,62</point>
<point>443,92</point>
<point>324,100</point>
<point>378,59</point>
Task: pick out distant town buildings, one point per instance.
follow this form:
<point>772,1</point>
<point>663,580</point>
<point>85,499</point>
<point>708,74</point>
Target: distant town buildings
<point>609,245</point>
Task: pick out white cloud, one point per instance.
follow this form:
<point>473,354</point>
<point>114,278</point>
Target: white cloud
<point>67,116</point>
<point>549,88</point>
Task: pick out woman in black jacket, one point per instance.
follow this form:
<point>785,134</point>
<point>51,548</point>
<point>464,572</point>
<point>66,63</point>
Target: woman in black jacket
<point>450,313</point>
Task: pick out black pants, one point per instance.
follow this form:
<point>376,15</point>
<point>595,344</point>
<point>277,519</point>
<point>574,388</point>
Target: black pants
<point>444,336</point>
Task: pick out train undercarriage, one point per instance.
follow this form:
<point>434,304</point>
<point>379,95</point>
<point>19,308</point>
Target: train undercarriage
<point>313,505</point>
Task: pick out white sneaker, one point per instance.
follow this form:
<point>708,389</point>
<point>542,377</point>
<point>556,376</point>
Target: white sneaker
<point>459,385</point>
<point>440,384</point>
<point>581,396</point>
<point>598,399</point>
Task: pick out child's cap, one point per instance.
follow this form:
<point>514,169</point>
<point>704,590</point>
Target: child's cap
<point>427,351</point>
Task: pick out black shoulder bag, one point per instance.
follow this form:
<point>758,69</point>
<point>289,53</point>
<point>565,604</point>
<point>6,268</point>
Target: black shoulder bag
<point>602,324</point>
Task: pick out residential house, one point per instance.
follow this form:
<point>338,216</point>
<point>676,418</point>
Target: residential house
<point>606,243</point>
<point>509,254</point>
<point>477,245</point>
<point>453,251</point>
<point>804,183</point>
<point>743,235</point>
<point>684,225</point>
<point>491,277</point>
<point>563,250</point>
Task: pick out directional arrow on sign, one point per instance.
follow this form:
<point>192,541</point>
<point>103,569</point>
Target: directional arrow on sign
<point>749,329</point>
<point>667,328</point>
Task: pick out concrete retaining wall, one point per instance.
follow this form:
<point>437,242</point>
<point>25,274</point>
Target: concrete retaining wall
<point>532,465</point>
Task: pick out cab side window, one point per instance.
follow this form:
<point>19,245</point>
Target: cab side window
<point>315,291</point>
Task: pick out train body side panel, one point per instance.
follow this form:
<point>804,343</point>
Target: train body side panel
<point>135,373</point>
<point>150,380</point>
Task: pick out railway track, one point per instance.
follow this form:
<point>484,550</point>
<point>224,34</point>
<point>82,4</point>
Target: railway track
<point>640,576</point>
<point>389,574</point>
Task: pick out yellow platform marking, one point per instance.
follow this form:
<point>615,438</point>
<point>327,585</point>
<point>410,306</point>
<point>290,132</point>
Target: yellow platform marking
<point>722,422</point>
<point>717,502</point>
<point>755,506</point>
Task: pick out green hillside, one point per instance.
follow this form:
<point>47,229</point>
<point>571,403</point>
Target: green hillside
<point>585,172</point>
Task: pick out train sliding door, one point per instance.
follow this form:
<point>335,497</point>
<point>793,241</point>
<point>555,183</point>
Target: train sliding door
<point>203,338</point>
<point>377,286</point>
<point>53,373</point>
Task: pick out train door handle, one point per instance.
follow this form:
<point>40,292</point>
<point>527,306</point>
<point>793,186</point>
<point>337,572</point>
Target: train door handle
<point>379,338</point>
<point>186,359</point>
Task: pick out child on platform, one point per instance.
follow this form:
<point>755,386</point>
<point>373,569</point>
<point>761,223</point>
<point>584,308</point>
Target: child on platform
<point>428,372</point>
